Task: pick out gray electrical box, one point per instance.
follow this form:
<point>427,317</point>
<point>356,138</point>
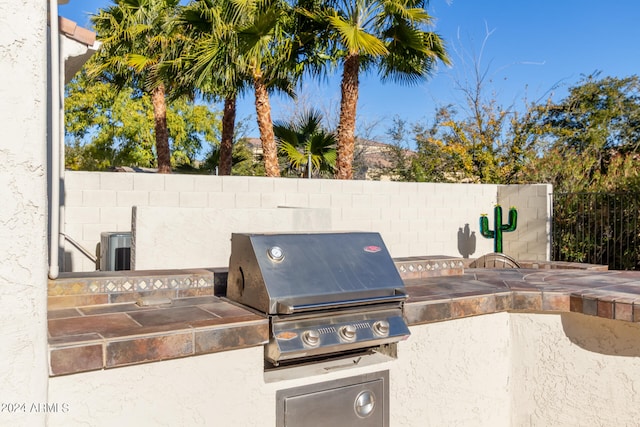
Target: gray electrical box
<point>115,251</point>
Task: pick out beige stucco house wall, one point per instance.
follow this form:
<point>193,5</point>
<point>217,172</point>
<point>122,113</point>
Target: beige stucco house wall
<point>23,209</point>
<point>25,107</point>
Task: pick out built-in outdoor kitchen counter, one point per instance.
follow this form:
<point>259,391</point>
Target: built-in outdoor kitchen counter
<point>110,319</point>
<point>105,320</point>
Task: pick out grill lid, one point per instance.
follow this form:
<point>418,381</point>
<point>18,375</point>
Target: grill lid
<point>287,273</point>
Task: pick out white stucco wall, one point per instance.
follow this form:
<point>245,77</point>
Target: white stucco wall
<point>414,219</point>
<point>23,211</point>
<point>574,370</point>
<point>449,373</point>
<point>493,370</point>
<point>200,237</point>
<point>454,373</point>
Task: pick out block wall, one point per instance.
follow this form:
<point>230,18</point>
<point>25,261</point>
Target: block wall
<point>530,240</point>
<point>414,219</point>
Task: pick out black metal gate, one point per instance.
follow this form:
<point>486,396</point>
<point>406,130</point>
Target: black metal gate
<point>597,228</point>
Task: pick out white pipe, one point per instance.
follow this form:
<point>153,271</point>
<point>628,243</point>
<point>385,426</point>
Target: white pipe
<point>61,156</point>
<point>54,204</point>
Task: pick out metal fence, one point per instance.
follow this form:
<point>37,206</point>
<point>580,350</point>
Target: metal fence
<point>597,228</point>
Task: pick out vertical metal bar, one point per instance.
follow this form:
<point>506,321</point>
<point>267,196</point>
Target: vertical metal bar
<point>585,210</point>
<point>607,227</point>
<point>594,236</point>
<point>585,226</point>
<point>636,235</point>
<point>578,214</point>
<point>635,231</point>
<point>619,220</point>
<point>603,238</point>
<point>592,224</point>
<point>618,232</point>
<point>597,228</point>
<point>554,215</point>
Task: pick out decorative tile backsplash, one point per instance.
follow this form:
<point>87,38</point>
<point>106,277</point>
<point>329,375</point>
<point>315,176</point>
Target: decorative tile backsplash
<point>79,289</point>
<point>422,267</point>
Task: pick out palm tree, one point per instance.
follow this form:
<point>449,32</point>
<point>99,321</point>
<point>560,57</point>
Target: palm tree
<point>304,139</point>
<point>212,63</point>
<point>267,46</point>
<point>135,41</point>
<point>239,43</point>
<point>383,34</point>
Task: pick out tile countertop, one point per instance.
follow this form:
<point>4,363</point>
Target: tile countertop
<point>111,335</point>
<point>100,336</point>
<point>608,294</point>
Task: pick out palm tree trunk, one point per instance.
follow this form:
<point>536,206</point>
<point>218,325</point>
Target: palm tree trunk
<point>265,126</point>
<point>347,125</point>
<point>162,133</point>
<point>226,142</point>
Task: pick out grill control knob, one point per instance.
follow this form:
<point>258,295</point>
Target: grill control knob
<point>311,338</point>
<point>381,328</point>
<point>348,333</point>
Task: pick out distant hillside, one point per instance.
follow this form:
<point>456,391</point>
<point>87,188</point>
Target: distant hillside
<point>370,161</point>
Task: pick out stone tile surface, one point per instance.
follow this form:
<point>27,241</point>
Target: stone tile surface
<point>92,329</point>
<point>111,335</point>
<point>591,291</point>
<point>147,349</point>
<point>90,324</point>
<point>170,316</point>
<point>76,359</point>
<point>222,339</point>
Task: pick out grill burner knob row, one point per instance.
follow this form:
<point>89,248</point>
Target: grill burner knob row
<point>348,333</point>
<point>311,338</point>
<point>381,328</point>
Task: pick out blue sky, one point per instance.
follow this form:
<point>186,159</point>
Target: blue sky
<point>531,50</point>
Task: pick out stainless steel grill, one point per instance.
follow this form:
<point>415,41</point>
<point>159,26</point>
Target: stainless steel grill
<point>324,293</point>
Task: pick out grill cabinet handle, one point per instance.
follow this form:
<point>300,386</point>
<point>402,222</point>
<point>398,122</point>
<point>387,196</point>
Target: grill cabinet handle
<point>284,308</point>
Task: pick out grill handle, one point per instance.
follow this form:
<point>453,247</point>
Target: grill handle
<point>284,308</point>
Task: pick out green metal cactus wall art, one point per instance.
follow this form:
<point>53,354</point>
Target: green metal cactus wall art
<point>498,226</point>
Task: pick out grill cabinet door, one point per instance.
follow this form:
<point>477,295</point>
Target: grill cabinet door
<point>359,405</point>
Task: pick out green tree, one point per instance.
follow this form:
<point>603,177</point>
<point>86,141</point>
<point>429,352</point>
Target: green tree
<point>135,41</point>
<point>589,150</point>
<point>106,126</point>
<point>473,145</point>
<point>304,138</point>
<point>386,35</point>
<point>244,161</point>
<point>590,140</point>
<point>427,163</point>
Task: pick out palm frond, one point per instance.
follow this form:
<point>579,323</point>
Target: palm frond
<point>355,39</point>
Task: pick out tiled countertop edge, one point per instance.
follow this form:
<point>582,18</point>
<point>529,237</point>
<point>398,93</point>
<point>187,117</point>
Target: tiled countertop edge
<point>600,304</point>
<point>96,353</point>
<point>438,310</point>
